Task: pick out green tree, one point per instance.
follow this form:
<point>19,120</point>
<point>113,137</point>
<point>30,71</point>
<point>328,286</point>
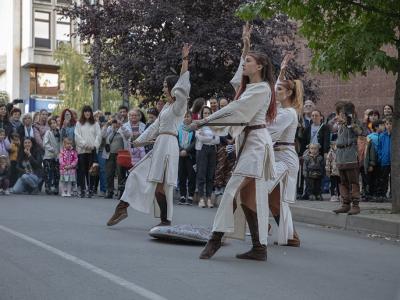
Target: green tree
<point>347,37</point>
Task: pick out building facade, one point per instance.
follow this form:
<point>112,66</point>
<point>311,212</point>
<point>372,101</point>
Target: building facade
<point>31,30</point>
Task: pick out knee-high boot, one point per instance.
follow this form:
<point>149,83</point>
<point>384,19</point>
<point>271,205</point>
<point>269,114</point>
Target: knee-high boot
<point>121,213</point>
<point>162,203</point>
<point>258,251</point>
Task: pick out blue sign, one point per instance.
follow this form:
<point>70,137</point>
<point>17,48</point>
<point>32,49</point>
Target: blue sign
<point>37,104</point>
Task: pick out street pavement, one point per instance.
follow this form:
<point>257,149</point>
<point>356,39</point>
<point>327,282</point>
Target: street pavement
<point>60,248</point>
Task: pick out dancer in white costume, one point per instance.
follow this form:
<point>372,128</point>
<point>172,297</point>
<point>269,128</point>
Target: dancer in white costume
<point>255,105</point>
<point>155,176</point>
<point>289,94</point>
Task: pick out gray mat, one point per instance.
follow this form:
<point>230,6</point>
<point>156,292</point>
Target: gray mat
<point>185,233</point>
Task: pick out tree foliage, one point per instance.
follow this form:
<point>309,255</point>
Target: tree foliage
<point>140,43</point>
<point>348,37</point>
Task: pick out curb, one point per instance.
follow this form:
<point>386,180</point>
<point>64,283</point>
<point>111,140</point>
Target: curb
<point>344,221</point>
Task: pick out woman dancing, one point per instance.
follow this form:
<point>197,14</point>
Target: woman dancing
<point>255,105</point>
<point>289,93</point>
<point>156,174</point>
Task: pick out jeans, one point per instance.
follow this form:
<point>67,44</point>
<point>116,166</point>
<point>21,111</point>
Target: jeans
<point>111,169</point>
<point>26,183</point>
<point>186,175</point>
<point>206,163</point>
<point>85,161</point>
<point>102,172</point>
<point>51,173</point>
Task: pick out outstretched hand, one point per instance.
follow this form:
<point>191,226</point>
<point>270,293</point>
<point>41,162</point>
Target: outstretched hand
<point>186,50</point>
<point>246,35</point>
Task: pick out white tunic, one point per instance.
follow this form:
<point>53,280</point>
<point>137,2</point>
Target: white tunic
<point>161,164</point>
<point>256,160</point>
<point>284,130</point>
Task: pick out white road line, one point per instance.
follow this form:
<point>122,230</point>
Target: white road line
<point>113,278</point>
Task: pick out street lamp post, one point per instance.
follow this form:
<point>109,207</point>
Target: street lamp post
<point>96,71</point>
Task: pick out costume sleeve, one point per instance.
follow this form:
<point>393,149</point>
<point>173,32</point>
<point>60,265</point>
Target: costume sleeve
<point>244,109</point>
<point>150,133</point>
<point>181,92</point>
<point>237,78</point>
<point>283,119</point>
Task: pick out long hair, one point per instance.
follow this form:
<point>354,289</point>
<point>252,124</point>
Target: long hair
<point>171,80</point>
<point>296,86</point>
<point>202,111</point>
<point>266,75</point>
<point>83,120</point>
<point>71,122</point>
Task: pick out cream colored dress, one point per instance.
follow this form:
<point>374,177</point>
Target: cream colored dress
<point>283,129</point>
<point>256,161</point>
<point>161,164</point>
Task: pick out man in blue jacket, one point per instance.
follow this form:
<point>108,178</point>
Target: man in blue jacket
<point>384,158</point>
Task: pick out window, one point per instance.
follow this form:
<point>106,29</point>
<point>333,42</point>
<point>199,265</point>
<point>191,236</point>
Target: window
<point>63,29</point>
<point>64,2</point>
<point>42,29</point>
<point>44,82</point>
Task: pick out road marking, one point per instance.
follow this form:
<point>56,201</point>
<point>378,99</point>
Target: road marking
<point>103,273</point>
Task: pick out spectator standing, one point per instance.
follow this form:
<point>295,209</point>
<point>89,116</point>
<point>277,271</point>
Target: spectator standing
<point>26,130</point>
<point>30,168</point>
<point>4,122</point>
<point>68,123</point>
<point>5,145</point>
<point>51,143</point>
<point>370,163</point>
<point>213,105</point>
<point>206,156</point>
<point>308,108</point>
<point>223,102</point>
<point>384,154</point>
<point>313,171</point>
<point>317,133</point>
<point>39,129</point>
<point>14,150</point>
<point>160,105</point>
<point>123,114</point>
<point>4,176</point>
<point>333,172</point>
<point>387,111</point>
<point>68,163</point>
<point>347,158</point>
<point>152,114</point>
<point>187,158</point>
<point>197,107</point>
<point>137,128</point>
<point>87,139</point>
<point>15,119</point>
<point>114,141</point>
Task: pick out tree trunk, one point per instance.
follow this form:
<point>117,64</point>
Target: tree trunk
<point>395,151</point>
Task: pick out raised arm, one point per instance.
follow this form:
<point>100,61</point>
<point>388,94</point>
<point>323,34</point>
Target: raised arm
<point>181,89</point>
<point>284,66</point>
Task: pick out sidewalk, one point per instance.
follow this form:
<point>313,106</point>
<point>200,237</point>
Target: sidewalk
<point>374,217</point>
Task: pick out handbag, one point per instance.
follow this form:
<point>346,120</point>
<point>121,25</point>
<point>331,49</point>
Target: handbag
<point>124,159</point>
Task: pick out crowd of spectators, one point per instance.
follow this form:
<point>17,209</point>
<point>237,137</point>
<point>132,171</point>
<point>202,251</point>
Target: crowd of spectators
<point>76,153</point>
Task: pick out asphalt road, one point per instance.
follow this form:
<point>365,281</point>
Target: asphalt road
<point>59,248</point>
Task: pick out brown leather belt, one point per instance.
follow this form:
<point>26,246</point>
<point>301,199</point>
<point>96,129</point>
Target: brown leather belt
<point>284,144</point>
<point>247,130</point>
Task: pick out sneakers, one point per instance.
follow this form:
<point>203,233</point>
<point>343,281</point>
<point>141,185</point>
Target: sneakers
<point>189,201</point>
<point>64,194</point>
<point>334,198</point>
<point>7,192</point>
<point>209,203</point>
<point>202,203</point>
<point>182,200</point>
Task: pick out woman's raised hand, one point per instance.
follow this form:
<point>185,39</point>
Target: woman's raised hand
<point>186,50</point>
<point>285,62</point>
<point>246,35</point>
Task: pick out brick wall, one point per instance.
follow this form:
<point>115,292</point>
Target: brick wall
<point>372,91</point>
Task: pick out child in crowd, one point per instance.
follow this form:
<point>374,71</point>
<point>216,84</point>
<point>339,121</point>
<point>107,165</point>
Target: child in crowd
<point>152,114</point>
<point>14,149</point>
<point>313,171</point>
<point>68,163</point>
<point>384,158</point>
<point>5,145</point>
<point>187,158</point>
<point>371,165</point>
<point>51,144</point>
<point>4,175</point>
<point>333,172</point>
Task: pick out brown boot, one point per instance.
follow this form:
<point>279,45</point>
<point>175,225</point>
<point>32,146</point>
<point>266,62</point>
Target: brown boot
<point>295,242</point>
<point>343,209</point>
<point>355,209</point>
<point>212,246</point>
<point>121,212</point>
<point>162,203</point>
<point>258,251</point>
